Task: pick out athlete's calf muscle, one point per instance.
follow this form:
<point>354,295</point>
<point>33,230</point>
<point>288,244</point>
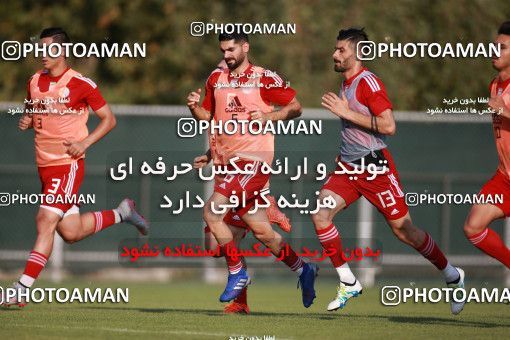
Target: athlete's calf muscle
<point>324,217</point>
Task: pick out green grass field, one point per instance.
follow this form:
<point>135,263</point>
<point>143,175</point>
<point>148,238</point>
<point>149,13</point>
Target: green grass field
<point>191,311</point>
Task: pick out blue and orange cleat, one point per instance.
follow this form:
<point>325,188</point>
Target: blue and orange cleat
<point>235,285</point>
<point>307,281</point>
<point>236,308</point>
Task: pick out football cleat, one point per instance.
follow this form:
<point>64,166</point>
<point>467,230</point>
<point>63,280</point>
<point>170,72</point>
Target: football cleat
<point>276,216</point>
<point>345,292</point>
<point>236,308</point>
<point>307,281</point>
<point>15,300</point>
<point>457,306</point>
<point>235,284</point>
<point>129,214</point>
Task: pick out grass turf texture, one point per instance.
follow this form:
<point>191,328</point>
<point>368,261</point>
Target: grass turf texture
<point>191,311</point>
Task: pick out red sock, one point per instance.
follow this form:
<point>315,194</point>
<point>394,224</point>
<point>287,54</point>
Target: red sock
<point>35,264</point>
<point>243,297</point>
<point>289,257</point>
<point>491,244</point>
<point>103,219</point>
<point>234,262</point>
<point>431,252</point>
<point>329,238</point>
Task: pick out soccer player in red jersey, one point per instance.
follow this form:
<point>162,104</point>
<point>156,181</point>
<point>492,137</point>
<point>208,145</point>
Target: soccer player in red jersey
<point>239,230</point>
<point>59,98</point>
<point>477,223</point>
<point>366,116</point>
<point>246,92</point>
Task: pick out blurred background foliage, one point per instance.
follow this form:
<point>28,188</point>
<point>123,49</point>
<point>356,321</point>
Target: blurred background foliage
<point>177,62</point>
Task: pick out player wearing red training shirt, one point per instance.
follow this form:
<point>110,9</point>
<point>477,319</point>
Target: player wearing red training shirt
<point>366,116</point>
<point>238,227</point>
<point>58,111</point>
<point>239,93</point>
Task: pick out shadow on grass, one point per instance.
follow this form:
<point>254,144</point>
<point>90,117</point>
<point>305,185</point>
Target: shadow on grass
<point>417,320</point>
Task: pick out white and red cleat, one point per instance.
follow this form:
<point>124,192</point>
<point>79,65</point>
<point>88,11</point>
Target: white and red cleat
<point>15,300</point>
<point>129,214</point>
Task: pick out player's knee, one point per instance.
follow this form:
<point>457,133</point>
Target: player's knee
<point>69,238</point>
<point>238,234</point>
<point>210,242</point>
<point>402,230</point>
<point>400,234</point>
<point>210,218</point>
<point>45,224</point>
<point>472,229</point>
<point>265,236</point>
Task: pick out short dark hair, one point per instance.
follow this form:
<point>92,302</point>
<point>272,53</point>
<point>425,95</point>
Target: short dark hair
<point>58,34</point>
<point>354,35</point>
<point>504,28</point>
<point>237,36</point>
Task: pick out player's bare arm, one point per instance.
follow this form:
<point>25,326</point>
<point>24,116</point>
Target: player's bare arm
<point>290,111</point>
<point>383,123</point>
<point>196,110</point>
<point>108,122</point>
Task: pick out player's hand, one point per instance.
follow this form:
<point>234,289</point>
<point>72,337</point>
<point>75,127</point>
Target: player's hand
<point>25,123</point>
<point>75,149</point>
<point>258,115</point>
<point>338,106</point>
<point>193,99</point>
<point>200,161</point>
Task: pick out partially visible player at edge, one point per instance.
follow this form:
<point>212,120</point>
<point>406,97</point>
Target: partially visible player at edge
<point>366,116</point>
<point>247,102</point>
<point>61,139</point>
<point>477,223</point>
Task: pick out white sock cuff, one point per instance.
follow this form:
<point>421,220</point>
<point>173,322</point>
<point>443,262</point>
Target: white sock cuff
<point>118,219</point>
<point>450,273</point>
<point>26,280</point>
<point>345,273</point>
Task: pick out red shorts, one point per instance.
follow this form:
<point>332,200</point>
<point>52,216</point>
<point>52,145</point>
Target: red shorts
<point>384,191</point>
<point>233,218</point>
<point>499,184</point>
<point>250,185</point>
<point>59,182</point>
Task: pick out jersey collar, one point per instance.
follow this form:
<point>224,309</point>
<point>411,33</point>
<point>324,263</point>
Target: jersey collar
<point>348,82</point>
